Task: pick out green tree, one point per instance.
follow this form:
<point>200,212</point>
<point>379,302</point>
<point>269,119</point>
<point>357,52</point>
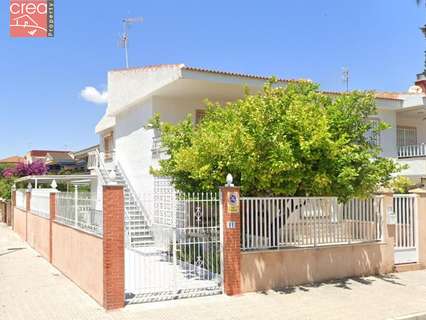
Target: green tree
<point>5,184</point>
<point>292,141</point>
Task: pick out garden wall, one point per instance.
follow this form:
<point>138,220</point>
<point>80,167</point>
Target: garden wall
<point>38,234</point>
<point>20,223</point>
<point>79,256</point>
<point>264,270</point>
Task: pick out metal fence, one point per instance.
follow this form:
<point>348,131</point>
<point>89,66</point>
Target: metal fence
<point>21,199</point>
<point>40,203</point>
<point>406,225</point>
<point>79,210</point>
<point>280,222</point>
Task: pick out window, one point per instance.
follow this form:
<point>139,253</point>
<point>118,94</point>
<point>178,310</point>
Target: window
<point>406,136</point>
<point>108,146</point>
<point>372,136</point>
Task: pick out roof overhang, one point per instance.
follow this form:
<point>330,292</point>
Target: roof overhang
<point>106,123</point>
<point>130,87</point>
<point>77,178</point>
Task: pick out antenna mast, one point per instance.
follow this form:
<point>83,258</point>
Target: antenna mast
<point>124,39</point>
<point>345,77</point>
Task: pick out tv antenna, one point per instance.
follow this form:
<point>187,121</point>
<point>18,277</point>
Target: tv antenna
<point>345,77</point>
<point>124,38</point>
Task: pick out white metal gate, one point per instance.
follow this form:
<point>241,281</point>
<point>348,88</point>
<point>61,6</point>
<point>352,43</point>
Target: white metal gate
<point>406,228</point>
<point>184,259</point>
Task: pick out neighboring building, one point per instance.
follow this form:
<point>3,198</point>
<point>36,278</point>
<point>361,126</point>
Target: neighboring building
<point>173,91</point>
<point>82,156</point>
<point>57,161</point>
<point>34,155</point>
<point>14,160</point>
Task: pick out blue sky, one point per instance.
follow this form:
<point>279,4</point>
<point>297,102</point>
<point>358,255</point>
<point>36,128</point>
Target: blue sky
<point>40,105</point>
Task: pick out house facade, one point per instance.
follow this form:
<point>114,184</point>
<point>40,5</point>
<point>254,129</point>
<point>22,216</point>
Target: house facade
<point>174,91</point>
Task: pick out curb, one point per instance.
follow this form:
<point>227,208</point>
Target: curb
<point>413,316</point>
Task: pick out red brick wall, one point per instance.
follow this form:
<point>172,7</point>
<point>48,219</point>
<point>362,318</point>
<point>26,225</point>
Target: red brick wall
<point>231,245</point>
<point>52,211</point>
<point>113,247</point>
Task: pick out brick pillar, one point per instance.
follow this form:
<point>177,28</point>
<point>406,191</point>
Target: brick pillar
<point>113,243</point>
<point>388,230</point>
<point>52,216</point>
<point>28,209</point>
<point>230,197</point>
<point>13,198</point>
<point>421,224</point>
<point>9,212</point>
<point>12,210</point>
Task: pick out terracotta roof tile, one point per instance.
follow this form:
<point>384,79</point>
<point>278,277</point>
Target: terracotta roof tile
<point>13,159</point>
<point>42,153</point>
<point>184,67</point>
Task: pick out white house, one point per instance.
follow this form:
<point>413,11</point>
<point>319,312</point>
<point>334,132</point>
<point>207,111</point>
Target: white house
<point>176,90</point>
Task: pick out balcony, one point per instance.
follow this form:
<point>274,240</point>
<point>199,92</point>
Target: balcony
<point>412,151</point>
<point>159,152</point>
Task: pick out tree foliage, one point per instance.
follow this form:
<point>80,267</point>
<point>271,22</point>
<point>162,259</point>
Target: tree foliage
<point>291,141</point>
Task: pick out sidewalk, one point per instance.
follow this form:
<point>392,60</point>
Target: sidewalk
<point>32,289</point>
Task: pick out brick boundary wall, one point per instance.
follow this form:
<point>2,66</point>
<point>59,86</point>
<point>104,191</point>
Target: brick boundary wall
<point>231,241</point>
<point>52,216</point>
<point>80,264</point>
<point>28,209</point>
<point>113,247</point>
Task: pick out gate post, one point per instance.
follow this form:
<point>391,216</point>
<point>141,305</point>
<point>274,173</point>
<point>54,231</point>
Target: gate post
<point>10,216</point>
<point>52,217</point>
<point>28,209</point>
<point>113,246</point>
<point>231,235</point>
<point>421,225</point>
<point>388,230</point>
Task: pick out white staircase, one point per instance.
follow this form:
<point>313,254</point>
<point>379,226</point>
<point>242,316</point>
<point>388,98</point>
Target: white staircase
<point>139,233</point>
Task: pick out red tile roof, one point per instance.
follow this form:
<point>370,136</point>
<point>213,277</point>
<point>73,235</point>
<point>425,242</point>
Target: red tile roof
<point>377,94</point>
<point>42,153</point>
<point>184,67</point>
<point>13,159</point>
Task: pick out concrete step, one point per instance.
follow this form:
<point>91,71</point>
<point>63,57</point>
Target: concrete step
<point>404,267</point>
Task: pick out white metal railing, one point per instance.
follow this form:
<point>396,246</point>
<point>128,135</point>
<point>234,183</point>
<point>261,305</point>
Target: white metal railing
<point>415,150</point>
<point>280,222</point>
<point>157,148</point>
<point>79,210</point>
<point>21,199</point>
<point>93,159</point>
<point>185,258</point>
<point>134,193</point>
<point>404,206</point>
<point>40,203</point>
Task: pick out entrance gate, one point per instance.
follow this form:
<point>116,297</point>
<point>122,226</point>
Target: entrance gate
<point>184,258</point>
<point>406,228</point>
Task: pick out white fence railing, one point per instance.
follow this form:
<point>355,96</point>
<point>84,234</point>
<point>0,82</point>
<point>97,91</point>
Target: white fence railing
<point>21,199</point>
<point>281,222</point>
<point>404,206</point>
<point>415,150</point>
<point>79,210</point>
<point>40,203</point>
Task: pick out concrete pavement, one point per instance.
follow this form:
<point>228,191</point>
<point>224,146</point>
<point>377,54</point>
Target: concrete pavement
<point>30,288</point>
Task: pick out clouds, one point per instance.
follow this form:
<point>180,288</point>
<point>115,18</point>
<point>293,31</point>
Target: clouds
<point>91,94</point>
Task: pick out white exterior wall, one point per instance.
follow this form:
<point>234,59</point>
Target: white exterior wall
<point>388,136</point>
<point>133,145</point>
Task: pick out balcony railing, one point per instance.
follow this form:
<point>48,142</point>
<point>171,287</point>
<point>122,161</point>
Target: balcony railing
<point>415,150</point>
<point>158,150</point>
